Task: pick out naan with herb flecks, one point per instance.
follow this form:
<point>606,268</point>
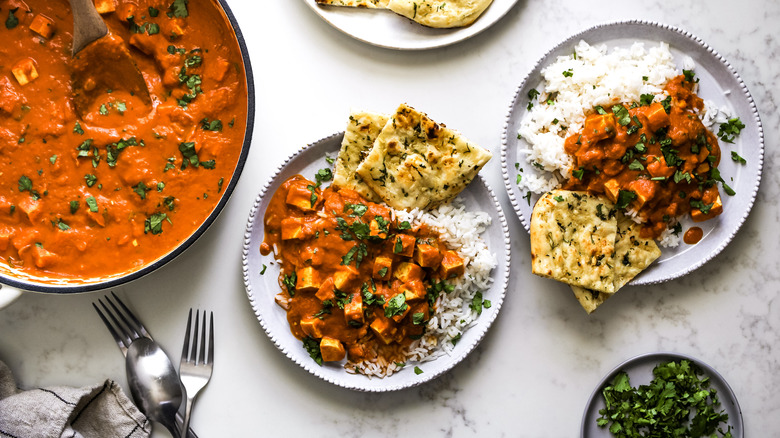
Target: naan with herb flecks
<point>441,14</point>
<point>362,129</point>
<point>372,4</point>
<point>418,163</point>
<point>573,239</point>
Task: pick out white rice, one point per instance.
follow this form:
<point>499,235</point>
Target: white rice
<point>460,230</point>
<point>597,78</point>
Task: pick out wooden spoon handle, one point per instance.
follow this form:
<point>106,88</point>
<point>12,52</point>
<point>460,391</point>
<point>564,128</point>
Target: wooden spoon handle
<point>87,24</point>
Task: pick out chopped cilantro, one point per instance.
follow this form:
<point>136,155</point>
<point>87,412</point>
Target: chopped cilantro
<point>417,370</point>
<point>11,22</point>
<point>730,130</point>
<point>179,9</point>
<point>676,403</point>
<point>312,346</point>
<point>625,198</point>
<point>154,222</point>
<point>92,204</point>
<point>77,129</point>
<point>396,306</point>
<point>74,206</point>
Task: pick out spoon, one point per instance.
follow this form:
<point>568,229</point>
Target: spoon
<point>101,60</point>
<point>154,383</point>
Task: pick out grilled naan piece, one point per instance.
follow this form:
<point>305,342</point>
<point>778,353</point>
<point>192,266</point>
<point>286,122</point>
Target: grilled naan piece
<point>442,14</point>
<point>573,239</point>
<point>362,129</point>
<point>373,4</point>
<point>417,163</point>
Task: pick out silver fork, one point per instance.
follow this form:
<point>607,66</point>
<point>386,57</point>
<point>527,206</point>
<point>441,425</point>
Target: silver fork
<point>196,365</point>
<point>126,332</point>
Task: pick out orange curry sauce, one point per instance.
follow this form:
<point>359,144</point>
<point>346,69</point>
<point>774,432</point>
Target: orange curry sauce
<point>354,280</point>
<point>655,158</point>
<point>105,194</point>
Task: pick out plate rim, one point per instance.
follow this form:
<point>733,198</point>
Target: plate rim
<point>468,33</point>
<point>710,371</point>
<point>508,184</point>
<point>486,324</point>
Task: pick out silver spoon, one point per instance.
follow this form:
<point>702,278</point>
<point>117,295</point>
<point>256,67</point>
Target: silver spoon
<point>154,383</point>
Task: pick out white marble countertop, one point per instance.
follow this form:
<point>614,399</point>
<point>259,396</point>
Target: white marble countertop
<point>534,371</point>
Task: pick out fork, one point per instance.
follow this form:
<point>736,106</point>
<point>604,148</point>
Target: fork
<point>196,366</point>
<point>126,332</point>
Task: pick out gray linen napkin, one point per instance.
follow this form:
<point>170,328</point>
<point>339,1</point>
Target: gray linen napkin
<point>101,411</point>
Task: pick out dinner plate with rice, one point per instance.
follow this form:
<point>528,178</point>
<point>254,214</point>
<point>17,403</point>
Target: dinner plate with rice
<point>473,225</point>
<point>613,69</point>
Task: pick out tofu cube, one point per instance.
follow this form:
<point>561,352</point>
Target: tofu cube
<point>174,28</point>
<point>332,350</point>
<point>716,209</point>
<point>657,117</point>
<point>301,197</point>
<point>407,272</point>
<point>24,71</point>
<point>292,228</point>
<point>656,166</point>
<point>126,10</point>
<point>308,280</point>
<point>384,328</point>
<point>398,318</point>
<point>42,25</point>
<point>5,238</point>
<point>353,311</point>
<point>403,245</point>
<point>383,267</point>
<point>612,189</point>
<point>312,327</point>
<point>377,231</point>
<point>345,278</point>
<point>31,208</point>
<point>42,257</point>
<point>413,290</point>
<point>600,126</point>
<point>452,265</point>
<point>427,256</point>
<point>326,291</point>
<point>105,6</point>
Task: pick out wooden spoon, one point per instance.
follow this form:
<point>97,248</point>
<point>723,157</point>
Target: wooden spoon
<point>101,60</point>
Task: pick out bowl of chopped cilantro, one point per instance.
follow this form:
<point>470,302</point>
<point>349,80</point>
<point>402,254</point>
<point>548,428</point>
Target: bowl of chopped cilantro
<point>662,395</point>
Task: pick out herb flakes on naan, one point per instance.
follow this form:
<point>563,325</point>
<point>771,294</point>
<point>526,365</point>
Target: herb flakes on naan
<point>417,163</point>
<point>440,14</point>
<point>362,129</point>
<point>573,239</point>
<point>371,4</point>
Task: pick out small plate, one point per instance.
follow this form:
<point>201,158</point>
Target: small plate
<point>262,289</point>
<point>385,28</point>
<point>640,371</point>
<point>719,82</point>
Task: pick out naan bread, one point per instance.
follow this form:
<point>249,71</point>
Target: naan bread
<point>450,13</point>
<point>573,239</point>
<point>373,4</point>
<point>633,254</point>
<point>362,130</point>
<point>417,163</point>
<point>590,300</point>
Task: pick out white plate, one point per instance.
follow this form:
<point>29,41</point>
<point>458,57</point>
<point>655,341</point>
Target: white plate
<point>385,28</point>
<point>719,82</point>
<point>261,289</point>
<point>640,372</point>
